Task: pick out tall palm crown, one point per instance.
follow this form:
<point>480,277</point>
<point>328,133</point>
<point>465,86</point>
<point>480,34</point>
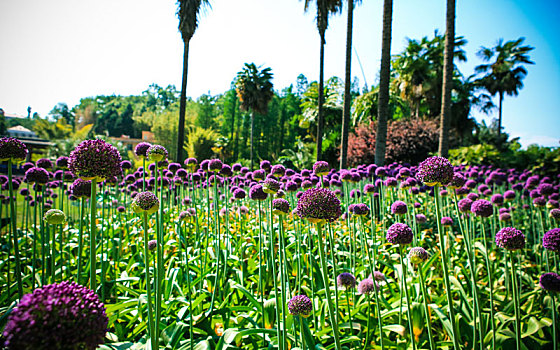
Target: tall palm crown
<point>324,9</point>
<point>187,12</point>
<point>254,88</point>
<point>504,73</point>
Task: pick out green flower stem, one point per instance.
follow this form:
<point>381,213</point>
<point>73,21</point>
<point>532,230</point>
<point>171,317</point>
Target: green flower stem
<point>554,322</point>
<point>366,343</point>
<point>283,277</point>
<point>515,302</point>
<point>271,245</point>
<point>408,304</point>
<point>92,238</point>
<point>261,264</point>
<point>426,309</point>
<point>13,217</point>
<point>335,273</point>
<point>35,237</point>
<point>327,286</point>
<point>490,285</point>
<point>81,240</point>
<point>159,251</point>
<point>445,270</point>
<point>151,335</point>
<point>189,289</point>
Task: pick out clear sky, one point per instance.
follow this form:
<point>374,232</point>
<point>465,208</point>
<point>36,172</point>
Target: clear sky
<point>63,50</point>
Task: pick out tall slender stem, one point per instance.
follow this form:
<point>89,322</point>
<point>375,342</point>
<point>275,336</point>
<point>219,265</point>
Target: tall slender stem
<point>13,217</point>
<point>92,238</point>
<point>151,336</point>
<point>515,303</point>
<point>408,304</point>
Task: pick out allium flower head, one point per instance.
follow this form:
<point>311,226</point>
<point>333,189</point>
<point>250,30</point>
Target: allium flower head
<point>239,193</point>
<point>44,163</point>
<point>417,255</point>
<point>256,192</point>
<point>504,216</point>
<point>446,221</point>
<point>545,189</point>
<point>421,218</point>
<point>55,217</point>
<point>497,199</point>
<point>63,316</point>
<point>399,208</point>
<point>510,238</point>
<point>465,205</point>
<point>81,188</point>
<point>346,280</point>
<point>379,276</point>
<point>321,168</point>
<point>215,165</point>
<point>270,185</point>
<point>399,233</point>
<point>280,206</point>
<point>12,149</point>
<point>360,209</point>
<point>156,153</point>
<point>551,240</point>
<point>367,286</point>
<point>36,175</point>
<point>62,162</point>
<point>554,214</point>
<point>319,204</point>
<point>457,181</point>
<point>550,281</point>
<point>435,171</point>
<point>482,208</point>
<point>191,163</point>
<point>152,244</point>
<point>95,159</point>
<point>145,202</point>
<point>258,175</point>
<point>141,149</point>
<point>300,305</point>
<point>278,170</point>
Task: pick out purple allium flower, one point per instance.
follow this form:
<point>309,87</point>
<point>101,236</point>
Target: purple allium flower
<point>497,199</point>
<point>226,171</point>
<point>257,193</point>
<point>191,163</point>
<point>55,217</point>
<point>380,172</point>
<point>551,240</point>
<point>68,176</point>
<point>258,175</point>
<point>271,185</point>
<point>215,165</point>
<point>473,196</point>
<point>545,189</point>
<point>434,171</point>
<point>554,213</point>
<point>346,280</point>
<point>278,170</point>
<point>367,286</point>
<point>81,188</point>
<point>319,204</point>
<point>243,210</point>
<point>465,205</point>
<point>157,153</point>
<point>360,209</point>
<point>300,305</point>
<point>504,216</point>
<point>509,195</point>
<point>446,221</point>
<point>457,181</point>
<point>44,163</point>
<point>399,208</point>
<point>265,165</point>
<point>550,281</point>
<point>399,233</point>
<point>321,168</point>
<point>152,244</point>
<point>390,182</point>
<point>539,202</point>
<point>141,149</point>
<point>120,209</point>
<point>62,162</point>
<point>421,218</point>
<point>291,186</point>
<point>378,276</point>
<point>236,167</point>
<point>63,316</point>
<point>145,202</point>
<point>482,208</point>
<point>510,238</point>
<point>369,188</point>
<point>280,206</point>
<point>173,167</point>
<point>95,159</point>
<point>239,193</point>
<point>417,255</point>
<point>36,175</point>
<point>12,149</point>
<point>126,164</point>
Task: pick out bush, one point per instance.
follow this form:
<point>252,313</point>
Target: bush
<point>408,141</point>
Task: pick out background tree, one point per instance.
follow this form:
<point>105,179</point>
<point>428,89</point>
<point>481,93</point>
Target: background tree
<point>324,9</point>
<point>505,72</point>
<point>445,113</point>
<point>255,90</point>
<point>384,75</point>
<point>188,22</point>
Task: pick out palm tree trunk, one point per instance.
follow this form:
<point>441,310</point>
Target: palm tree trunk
<point>252,130</point>
<point>347,84</point>
<point>321,100</point>
<point>182,105</point>
<point>500,116</point>
<point>445,115</point>
<point>383,100</point>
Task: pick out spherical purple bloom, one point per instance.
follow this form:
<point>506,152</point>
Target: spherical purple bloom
<point>417,255</point>
<point>321,168</point>
<point>265,165</point>
<point>36,175</point>
<point>545,189</point>
<point>145,202</point>
<point>550,281</point>
<point>121,209</point>
<point>152,245</point>
<point>141,149</point>
<point>457,181</point>
<point>510,238</point>
<point>239,193</point>
<point>399,233</point>
<point>44,163</point>
<point>280,206</point>
<point>62,162</point>
<point>539,202</point>
<point>271,185</point>
<point>257,193</point>
<point>473,196</point>
<point>319,204</point>
<point>504,217</point>
<point>509,195</point>
<point>421,218</point>
<point>390,182</point>
<point>278,170</point>
<point>346,280</point>
<point>360,209</point>
<point>399,208</point>
<point>465,205</point>
<point>551,240</point>
<point>215,165</point>
<point>367,286</point>
<point>497,199</point>
<point>482,208</point>
<point>555,213</point>
<point>258,175</point>
<point>378,276</point>
<point>157,153</point>
<point>380,172</point>
<point>435,171</point>
<point>300,305</point>
<point>446,221</point>
<point>81,188</point>
<point>64,316</point>
<point>369,188</point>
<point>12,149</point>
<point>243,210</point>
<point>95,159</point>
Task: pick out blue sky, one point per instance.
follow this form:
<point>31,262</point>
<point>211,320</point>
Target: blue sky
<point>63,50</point>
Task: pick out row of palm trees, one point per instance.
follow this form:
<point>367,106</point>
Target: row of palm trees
<point>503,74</point>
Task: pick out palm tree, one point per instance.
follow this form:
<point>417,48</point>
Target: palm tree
<point>324,9</point>
<point>347,85</point>
<point>255,90</point>
<point>188,22</point>
<point>506,73</point>
<point>384,75</point>
<point>445,114</point>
